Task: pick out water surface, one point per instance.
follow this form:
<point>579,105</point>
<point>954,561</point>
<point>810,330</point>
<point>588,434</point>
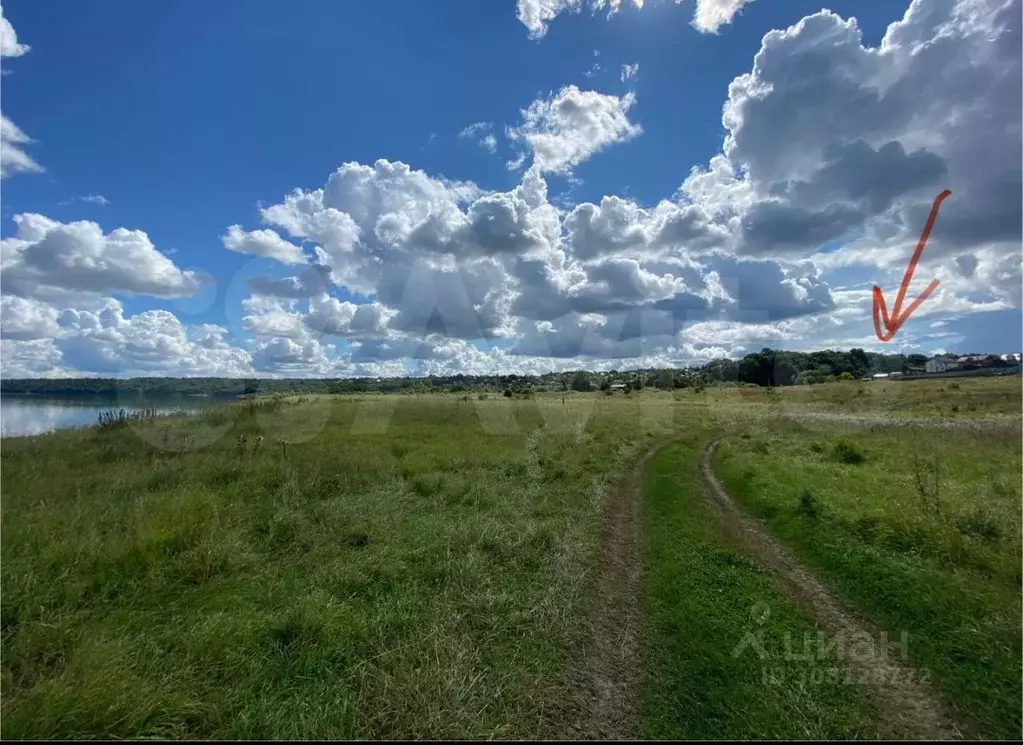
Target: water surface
<point>33,415</point>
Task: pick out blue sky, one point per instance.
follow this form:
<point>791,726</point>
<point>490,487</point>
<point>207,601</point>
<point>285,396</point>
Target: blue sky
<point>187,118</point>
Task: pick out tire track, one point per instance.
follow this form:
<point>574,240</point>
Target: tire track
<point>602,698</point>
<point>909,710</point>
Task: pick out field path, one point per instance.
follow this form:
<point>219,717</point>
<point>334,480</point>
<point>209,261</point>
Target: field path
<point>908,709</point>
<point>602,699</point>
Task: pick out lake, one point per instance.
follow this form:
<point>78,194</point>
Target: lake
<point>33,415</point>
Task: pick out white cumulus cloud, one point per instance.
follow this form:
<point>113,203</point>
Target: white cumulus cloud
<point>711,15</point>
<point>264,243</point>
<point>536,15</point>
<point>9,46</point>
<point>45,257</point>
<point>565,129</point>
<point>13,159</point>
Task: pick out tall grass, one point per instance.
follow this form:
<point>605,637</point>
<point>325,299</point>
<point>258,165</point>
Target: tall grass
<point>120,418</point>
<point>703,598</point>
<point>422,582</point>
<point>323,567</point>
<point>921,531</point>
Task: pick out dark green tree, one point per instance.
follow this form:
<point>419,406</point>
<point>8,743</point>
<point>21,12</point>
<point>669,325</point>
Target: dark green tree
<point>581,381</point>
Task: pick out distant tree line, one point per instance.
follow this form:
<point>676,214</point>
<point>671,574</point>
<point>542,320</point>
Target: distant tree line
<point>768,367</point>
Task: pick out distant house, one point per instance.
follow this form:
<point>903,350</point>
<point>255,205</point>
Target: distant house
<point>972,359</point>
<point>942,363</point>
<point>617,386</point>
<point>880,376</point>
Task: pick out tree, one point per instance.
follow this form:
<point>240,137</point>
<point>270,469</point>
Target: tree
<point>723,370</point>
<point>784,370</point>
<point>860,363</point>
<point>604,385</point>
<point>665,379</point>
<point>581,381</point>
<point>755,368</point>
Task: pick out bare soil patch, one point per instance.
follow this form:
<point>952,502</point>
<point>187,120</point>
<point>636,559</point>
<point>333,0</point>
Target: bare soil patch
<point>601,700</point>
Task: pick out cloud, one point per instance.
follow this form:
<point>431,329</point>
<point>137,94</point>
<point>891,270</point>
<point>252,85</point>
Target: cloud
<point>711,15</point>
<point>313,281</point>
<point>270,316</point>
<point>437,255</point>
<point>91,199</point>
<point>12,158</point>
<point>476,132</point>
<point>834,138</point>
<point>46,257</point>
<point>24,318</point>
<point>565,129</point>
<point>40,339</point>
<point>154,342</point>
<point>36,358</point>
<point>9,46</point>
<point>619,225</point>
<point>446,263</point>
<point>629,72</point>
<point>290,356</point>
<point>328,315</point>
<point>536,15</point>
<point>264,243</point>
<point>473,130</point>
<point>831,155</point>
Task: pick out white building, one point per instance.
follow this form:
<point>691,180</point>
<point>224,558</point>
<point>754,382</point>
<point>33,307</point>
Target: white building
<point>942,363</point>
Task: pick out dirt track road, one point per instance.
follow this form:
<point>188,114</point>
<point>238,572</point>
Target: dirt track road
<point>910,710</point>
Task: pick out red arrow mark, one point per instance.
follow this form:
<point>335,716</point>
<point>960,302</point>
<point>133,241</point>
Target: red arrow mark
<point>894,321</point>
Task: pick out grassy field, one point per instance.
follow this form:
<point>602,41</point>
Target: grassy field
<point>421,582</point>
<point>422,566</point>
<point>952,398</point>
<point>703,597</point>
<point>918,529</point>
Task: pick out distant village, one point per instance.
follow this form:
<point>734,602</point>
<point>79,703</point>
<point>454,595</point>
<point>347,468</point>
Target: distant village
<point>950,364</point>
<point>768,367</point>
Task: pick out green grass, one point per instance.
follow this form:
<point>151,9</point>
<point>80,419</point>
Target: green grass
<point>421,582</point>
<point>956,398</point>
<point>419,566</point>
<point>702,598</point>
<point>918,529</point>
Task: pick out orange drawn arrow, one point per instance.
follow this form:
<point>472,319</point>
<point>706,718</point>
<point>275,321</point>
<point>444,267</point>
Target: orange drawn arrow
<point>894,322</point>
